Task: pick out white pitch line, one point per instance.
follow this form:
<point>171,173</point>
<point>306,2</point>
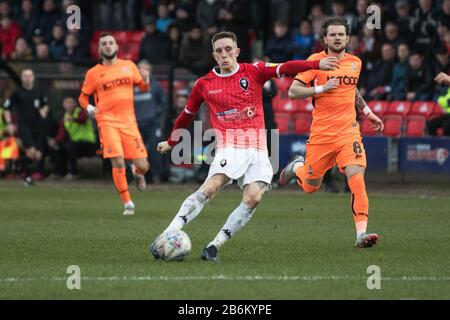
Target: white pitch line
<point>229,278</point>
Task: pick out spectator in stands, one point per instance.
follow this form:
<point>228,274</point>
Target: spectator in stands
<point>354,45</point>
<point>49,17</point>
<point>279,44</point>
<point>57,42</point>
<point>42,52</point>
<point>72,49</point>
<point>164,20</point>
<point>302,41</point>
<point>76,138</point>
<point>441,64</point>
<point>399,74</point>
<point>21,50</point>
<point>195,52</point>
<point>391,34</point>
<point>30,105</point>
<point>9,32</point>
<point>185,14</point>
<point>5,9</point>
<point>154,44</point>
<point>339,9</point>
<point>442,122</point>
<point>361,18</point>
<point>404,21</point>
<point>148,107</point>
<point>175,37</point>
<point>419,80</point>
<point>206,15</point>
<point>371,47</point>
<point>234,16</point>
<point>378,85</point>
<point>424,26</point>
<point>317,16</point>
<point>28,19</point>
<point>443,14</point>
<point>37,38</point>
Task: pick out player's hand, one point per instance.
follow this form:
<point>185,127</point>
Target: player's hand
<point>442,78</point>
<point>163,147</point>
<point>92,111</point>
<point>377,123</point>
<point>331,84</point>
<point>10,129</point>
<point>329,64</point>
<point>145,74</point>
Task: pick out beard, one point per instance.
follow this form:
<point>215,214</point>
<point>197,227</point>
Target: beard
<point>109,56</point>
<point>336,50</point>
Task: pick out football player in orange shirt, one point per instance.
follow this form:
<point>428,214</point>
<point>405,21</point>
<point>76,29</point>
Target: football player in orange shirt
<point>111,83</point>
<point>335,135</point>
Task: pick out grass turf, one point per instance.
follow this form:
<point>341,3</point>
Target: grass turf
<point>295,247</point>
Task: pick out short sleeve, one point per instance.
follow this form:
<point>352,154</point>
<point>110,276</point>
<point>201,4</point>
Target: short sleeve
<point>10,102</point>
<point>308,76</point>
<point>89,84</point>
<point>137,78</point>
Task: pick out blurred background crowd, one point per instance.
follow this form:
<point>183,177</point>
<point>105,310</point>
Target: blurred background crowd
<point>400,61</point>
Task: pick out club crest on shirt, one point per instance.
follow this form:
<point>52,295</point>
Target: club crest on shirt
<point>124,69</point>
<point>223,163</point>
<point>353,66</point>
<point>243,83</point>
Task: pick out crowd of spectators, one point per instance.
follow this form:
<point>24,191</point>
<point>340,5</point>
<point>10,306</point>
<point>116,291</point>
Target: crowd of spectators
<point>400,59</point>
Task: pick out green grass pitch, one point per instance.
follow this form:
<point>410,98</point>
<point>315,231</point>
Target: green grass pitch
<point>295,247</point>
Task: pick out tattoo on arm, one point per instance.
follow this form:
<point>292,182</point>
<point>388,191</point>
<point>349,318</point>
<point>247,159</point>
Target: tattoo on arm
<point>359,100</point>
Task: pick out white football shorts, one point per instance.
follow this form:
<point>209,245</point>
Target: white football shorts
<point>244,165</point>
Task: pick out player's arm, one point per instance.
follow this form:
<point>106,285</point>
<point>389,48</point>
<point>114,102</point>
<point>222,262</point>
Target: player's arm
<point>377,123</point>
<point>44,110</point>
<point>184,119</point>
<point>294,67</point>
<point>141,78</point>
<point>86,91</point>
<point>443,78</point>
<point>7,113</point>
<point>299,89</point>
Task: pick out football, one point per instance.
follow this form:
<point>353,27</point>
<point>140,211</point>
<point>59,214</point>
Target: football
<point>173,245</point>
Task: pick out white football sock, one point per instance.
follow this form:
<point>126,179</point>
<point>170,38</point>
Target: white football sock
<point>189,210</point>
<point>128,204</point>
<point>235,222</point>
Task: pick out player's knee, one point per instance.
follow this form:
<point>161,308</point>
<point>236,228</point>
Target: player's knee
<point>252,200</point>
<point>308,188</point>
<point>143,167</point>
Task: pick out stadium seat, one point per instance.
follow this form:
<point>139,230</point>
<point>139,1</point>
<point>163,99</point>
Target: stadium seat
<point>303,106</point>
<point>393,125</point>
<point>283,86</point>
<point>378,107</point>
<point>415,126</point>
<point>283,122</point>
<point>366,128</point>
<point>437,111</point>
<point>283,105</point>
<point>136,36</point>
<point>423,108</point>
<point>302,123</point>
<point>401,108</point>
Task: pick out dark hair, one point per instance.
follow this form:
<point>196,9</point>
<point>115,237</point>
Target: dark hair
<point>335,21</point>
<point>224,35</point>
<point>105,34</point>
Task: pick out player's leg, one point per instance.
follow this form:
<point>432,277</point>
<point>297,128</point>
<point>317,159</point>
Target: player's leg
<point>112,149</point>
<point>255,181</point>
<point>252,196</point>
<point>309,173</point>
<point>352,161</point>
<point>193,204</point>
<point>134,149</point>
<point>139,168</point>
